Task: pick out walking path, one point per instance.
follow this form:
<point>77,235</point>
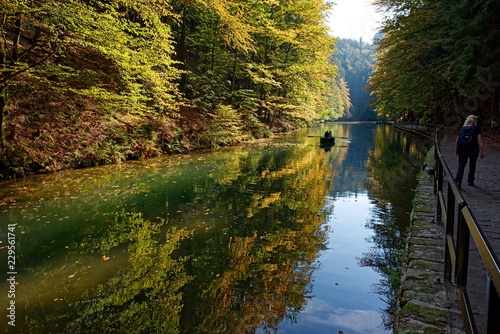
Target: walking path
<point>427,304</point>
<point>484,201</point>
<point>484,197</point>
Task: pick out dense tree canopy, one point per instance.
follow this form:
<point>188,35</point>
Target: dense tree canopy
<point>143,78</point>
<point>438,59</point>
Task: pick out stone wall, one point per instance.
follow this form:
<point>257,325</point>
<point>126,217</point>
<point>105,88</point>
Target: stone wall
<point>426,304</point>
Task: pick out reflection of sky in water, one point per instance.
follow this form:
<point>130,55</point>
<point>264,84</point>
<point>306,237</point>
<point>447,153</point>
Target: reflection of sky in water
<point>343,297</point>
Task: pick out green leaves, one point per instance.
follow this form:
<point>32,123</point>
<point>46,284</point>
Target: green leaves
<point>435,53</point>
<point>114,65</point>
<point>277,50</point>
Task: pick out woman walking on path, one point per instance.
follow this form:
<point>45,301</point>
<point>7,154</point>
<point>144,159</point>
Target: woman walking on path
<point>468,146</point>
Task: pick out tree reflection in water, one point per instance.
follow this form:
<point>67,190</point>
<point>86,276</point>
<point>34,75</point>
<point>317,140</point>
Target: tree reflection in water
<point>218,242</point>
<point>393,165</point>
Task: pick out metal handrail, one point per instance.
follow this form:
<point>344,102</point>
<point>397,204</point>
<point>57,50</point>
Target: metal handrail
<point>454,212</point>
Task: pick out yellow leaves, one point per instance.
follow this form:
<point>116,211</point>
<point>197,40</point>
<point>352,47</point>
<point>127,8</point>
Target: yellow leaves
<point>262,74</point>
<point>272,3</point>
<point>270,267</point>
<point>284,35</point>
<point>236,31</point>
<point>8,200</point>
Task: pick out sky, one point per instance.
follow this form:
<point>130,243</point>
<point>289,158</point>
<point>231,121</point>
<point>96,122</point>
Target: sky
<point>354,19</point>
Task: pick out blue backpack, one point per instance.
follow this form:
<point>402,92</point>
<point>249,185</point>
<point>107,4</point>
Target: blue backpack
<point>466,137</point>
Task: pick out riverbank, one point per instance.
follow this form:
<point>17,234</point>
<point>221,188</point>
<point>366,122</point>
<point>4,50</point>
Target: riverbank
<point>58,140</point>
<point>426,304</point>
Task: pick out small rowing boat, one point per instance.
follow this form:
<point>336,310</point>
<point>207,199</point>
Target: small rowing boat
<point>327,140</point>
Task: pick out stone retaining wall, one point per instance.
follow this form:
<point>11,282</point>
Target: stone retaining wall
<point>426,304</point>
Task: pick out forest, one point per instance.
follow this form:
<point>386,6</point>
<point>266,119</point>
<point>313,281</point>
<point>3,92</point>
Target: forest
<point>85,83</point>
<point>355,60</point>
<point>91,82</point>
<point>438,60</point>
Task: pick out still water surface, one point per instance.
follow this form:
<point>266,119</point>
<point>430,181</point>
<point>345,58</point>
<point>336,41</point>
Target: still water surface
<point>282,236</point>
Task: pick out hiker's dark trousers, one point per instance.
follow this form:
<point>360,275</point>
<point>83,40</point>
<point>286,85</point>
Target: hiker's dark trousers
<point>462,162</point>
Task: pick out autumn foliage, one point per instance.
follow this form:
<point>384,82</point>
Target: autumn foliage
<point>84,83</point>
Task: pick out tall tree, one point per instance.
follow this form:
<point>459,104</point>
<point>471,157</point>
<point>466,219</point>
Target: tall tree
<point>128,36</point>
<point>473,50</point>
<point>434,54</point>
<point>267,56</point>
<point>138,67</point>
<point>23,33</point>
<point>410,63</point>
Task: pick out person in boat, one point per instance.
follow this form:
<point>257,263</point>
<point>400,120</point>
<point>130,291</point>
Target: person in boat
<point>327,134</point>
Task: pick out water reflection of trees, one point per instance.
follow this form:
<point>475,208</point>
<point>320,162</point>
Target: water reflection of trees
<point>145,295</point>
<point>254,269</point>
<point>393,165</point>
<point>134,288</point>
<point>248,263</point>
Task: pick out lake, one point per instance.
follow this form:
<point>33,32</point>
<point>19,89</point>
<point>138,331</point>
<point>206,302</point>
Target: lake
<point>278,236</point>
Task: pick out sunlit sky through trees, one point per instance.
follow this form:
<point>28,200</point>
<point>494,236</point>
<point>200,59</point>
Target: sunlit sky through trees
<point>354,19</point>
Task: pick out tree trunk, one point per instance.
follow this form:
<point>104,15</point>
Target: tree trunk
<point>212,60</point>
<point>262,97</point>
<point>233,74</point>
<point>15,42</point>
<point>182,52</point>
<point>14,58</point>
<point>271,123</point>
<point>3,98</point>
<point>3,83</point>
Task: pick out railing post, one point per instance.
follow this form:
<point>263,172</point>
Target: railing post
<point>492,324</point>
<point>438,170</point>
<point>441,177</point>
<point>438,184</point>
<point>449,229</point>
<point>463,238</point>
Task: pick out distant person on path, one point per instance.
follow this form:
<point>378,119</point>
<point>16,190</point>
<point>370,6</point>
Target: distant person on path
<point>469,146</point>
